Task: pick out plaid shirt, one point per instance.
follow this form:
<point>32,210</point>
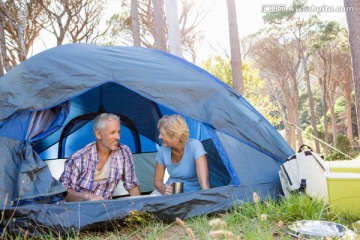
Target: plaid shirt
<point>79,171</point>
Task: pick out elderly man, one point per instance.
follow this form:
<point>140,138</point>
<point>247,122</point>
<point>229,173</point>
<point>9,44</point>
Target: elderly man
<point>92,173</point>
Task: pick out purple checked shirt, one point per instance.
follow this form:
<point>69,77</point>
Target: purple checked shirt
<point>79,171</point>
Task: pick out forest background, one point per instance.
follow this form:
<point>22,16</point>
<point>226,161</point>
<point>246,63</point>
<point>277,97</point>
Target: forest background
<point>295,61</point>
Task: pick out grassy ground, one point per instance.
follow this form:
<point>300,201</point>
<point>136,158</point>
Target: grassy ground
<point>267,220</point>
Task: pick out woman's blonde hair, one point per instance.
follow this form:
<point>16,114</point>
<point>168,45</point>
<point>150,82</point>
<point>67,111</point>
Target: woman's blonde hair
<point>175,125</point>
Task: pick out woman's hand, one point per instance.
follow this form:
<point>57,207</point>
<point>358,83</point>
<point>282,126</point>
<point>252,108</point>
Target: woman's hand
<point>159,180</point>
<point>167,189</point>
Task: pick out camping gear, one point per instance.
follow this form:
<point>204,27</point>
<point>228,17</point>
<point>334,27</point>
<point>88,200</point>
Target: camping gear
<point>316,229</point>
<point>177,187</point>
<point>49,101</point>
<point>343,183</point>
<point>304,172</point>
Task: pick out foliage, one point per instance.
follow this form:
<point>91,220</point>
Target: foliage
<point>341,117</point>
<point>343,144</point>
<point>328,33</point>
<point>220,68</point>
<point>309,132</point>
<point>304,107</point>
<point>254,85</point>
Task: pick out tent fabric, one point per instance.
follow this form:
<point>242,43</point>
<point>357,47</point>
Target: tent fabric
<point>25,178</point>
<point>57,75</point>
<point>68,85</point>
<point>59,219</point>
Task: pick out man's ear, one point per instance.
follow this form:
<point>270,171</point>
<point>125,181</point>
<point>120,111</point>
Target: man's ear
<point>97,134</point>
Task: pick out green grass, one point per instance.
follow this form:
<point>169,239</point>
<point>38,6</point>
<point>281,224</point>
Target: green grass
<point>266,220</point>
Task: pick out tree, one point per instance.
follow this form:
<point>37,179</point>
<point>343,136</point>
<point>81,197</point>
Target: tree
<point>353,20</point>
<point>191,14</point>
<point>77,20</point>
<point>235,48</point>
<point>21,22</point>
<point>342,63</point>
<point>322,71</point>
<point>173,27</point>
<point>159,25</point>
<point>330,49</point>
<point>346,85</point>
<point>274,56</point>
<point>3,55</point>
<point>135,22</point>
<point>299,28</point>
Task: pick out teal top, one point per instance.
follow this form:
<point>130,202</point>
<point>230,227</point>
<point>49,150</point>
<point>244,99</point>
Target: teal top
<point>185,170</point>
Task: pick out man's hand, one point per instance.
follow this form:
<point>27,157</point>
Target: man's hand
<point>92,197</point>
<point>73,196</point>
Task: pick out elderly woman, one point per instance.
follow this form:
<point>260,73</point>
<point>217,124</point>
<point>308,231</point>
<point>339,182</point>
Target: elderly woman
<point>183,157</point>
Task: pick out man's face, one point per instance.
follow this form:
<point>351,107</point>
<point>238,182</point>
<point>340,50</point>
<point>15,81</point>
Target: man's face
<point>110,137</point>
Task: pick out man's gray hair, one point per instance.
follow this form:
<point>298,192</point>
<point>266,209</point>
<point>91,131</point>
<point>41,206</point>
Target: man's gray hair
<point>99,121</point>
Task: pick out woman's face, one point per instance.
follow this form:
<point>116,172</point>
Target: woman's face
<point>167,140</point>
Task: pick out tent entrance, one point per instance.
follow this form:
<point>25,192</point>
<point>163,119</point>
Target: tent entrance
<point>139,117</point>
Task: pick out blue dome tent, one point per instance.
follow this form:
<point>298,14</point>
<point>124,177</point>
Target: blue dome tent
<point>47,106</point>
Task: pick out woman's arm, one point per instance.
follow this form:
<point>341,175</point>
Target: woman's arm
<point>202,172</point>
<point>159,180</point>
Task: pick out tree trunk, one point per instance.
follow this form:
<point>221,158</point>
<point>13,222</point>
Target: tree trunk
<point>311,102</point>
<point>292,133</point>
<point>288,135</point>
<point>22,53</point>
<point>325,109</point>
<point>282,112</point>
<point>353,20</point>
<point>135,24</point>
<point>172,20</point>
<point>2,47</point>
<point>236,64</point>
<point>349,132</point>
<point>298,130</point>
<point>159,24</point>
<point>333,124</point>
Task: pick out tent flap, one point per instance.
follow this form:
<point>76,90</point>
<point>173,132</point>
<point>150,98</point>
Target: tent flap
<point>60,219</point>
<point>26,178</point>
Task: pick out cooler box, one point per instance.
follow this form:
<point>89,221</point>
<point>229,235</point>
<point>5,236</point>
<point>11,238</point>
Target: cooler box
<point>343,182</point>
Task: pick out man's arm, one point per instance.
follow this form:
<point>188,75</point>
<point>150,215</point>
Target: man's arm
<point>135,191</point>
<point>129,178</point>
<point>68,179</point>
<point>74,196</point>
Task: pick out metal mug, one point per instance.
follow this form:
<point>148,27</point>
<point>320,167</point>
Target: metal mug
<point>177,187</point>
